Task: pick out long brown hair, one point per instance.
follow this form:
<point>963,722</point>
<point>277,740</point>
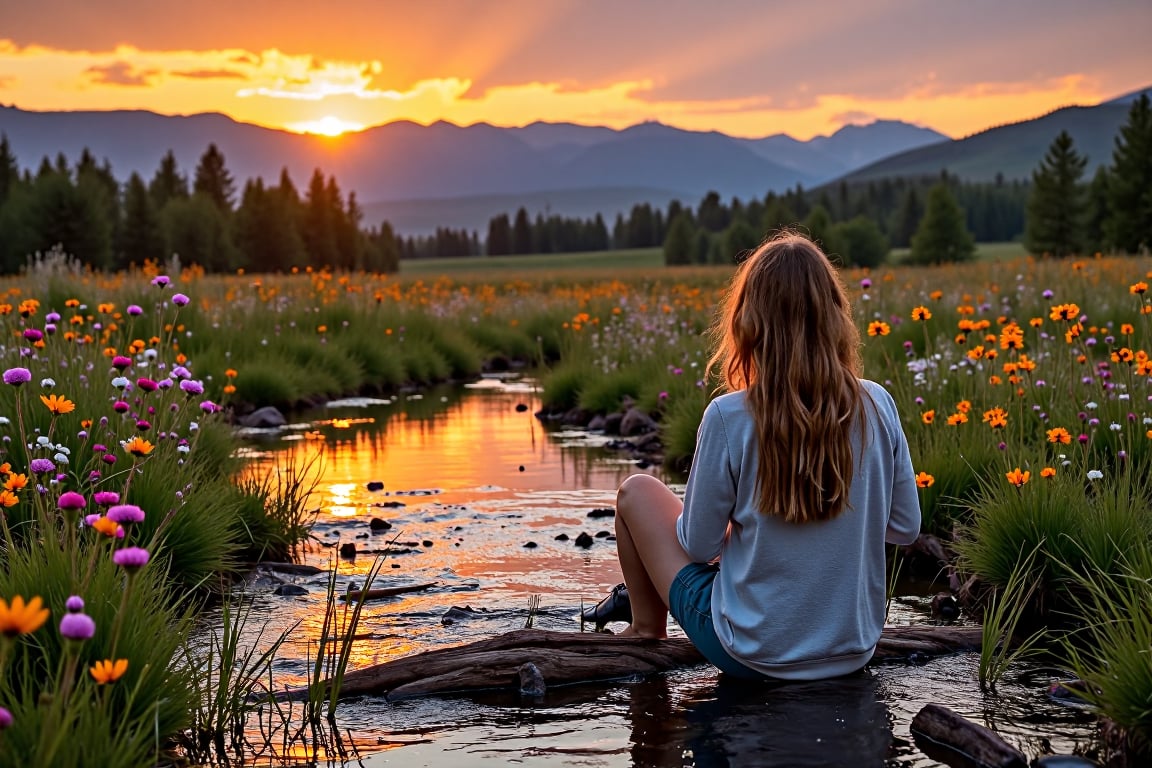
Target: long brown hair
<point>785,334</point>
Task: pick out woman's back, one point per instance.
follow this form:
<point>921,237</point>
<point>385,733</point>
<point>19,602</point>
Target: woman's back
<point>798,600</point>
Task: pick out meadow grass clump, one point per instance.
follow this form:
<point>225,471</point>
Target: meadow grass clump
<point>562,387</point>
<point>1111,652</point>
<point>382,366</point>
<point>606,392</point>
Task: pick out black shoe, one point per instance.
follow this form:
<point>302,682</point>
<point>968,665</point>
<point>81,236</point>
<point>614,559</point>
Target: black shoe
<point>614,607</point>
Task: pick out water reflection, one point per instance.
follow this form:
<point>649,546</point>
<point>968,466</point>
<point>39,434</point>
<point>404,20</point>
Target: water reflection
<point>736,723</point>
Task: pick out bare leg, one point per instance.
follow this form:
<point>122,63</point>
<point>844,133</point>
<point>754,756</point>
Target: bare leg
<point>650,554</point>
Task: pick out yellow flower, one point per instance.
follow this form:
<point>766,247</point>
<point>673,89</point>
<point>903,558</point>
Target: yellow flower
<point>924,480</point>
<point>58,405</point>
<point>1018,478</point>
<point>1048,472</point>
<point>21,618</point>
<point>108,671</point>
<point>138,446</point>
<point>921,314</point>
<point>879,328</point>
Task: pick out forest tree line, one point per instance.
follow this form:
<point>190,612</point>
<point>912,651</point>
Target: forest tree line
<point>110,225</point>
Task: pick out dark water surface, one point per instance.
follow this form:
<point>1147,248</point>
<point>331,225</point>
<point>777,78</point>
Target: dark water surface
<point>468,480</point>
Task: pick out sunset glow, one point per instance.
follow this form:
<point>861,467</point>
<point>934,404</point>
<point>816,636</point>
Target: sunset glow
<point>520,62</point>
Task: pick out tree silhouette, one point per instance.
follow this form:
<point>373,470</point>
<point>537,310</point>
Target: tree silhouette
<point>1056,205</point>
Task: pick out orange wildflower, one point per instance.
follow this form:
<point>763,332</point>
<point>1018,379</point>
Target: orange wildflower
<point>1059,435</point>
<point>20,618</point>
<point>58,405</point>
<point>105,526</point>
<point>879,328</point>
<point>924,480</point>
<point>921,313</point>
<point>138,446</point>
<point>108,671</point>
<point>8,499</point>
<point>1018,478</point>
<point>928,416</point>
<point>16,481</point>
<point>1138,288</point>
<point>1048,472</point>
<point>1067,312</point>
<point>956,419</point>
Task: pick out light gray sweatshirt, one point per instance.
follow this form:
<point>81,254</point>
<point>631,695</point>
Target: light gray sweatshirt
<point>798,601</point>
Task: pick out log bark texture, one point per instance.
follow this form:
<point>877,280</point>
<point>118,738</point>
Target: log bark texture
<point>580,657</point>
<point>946,736</point>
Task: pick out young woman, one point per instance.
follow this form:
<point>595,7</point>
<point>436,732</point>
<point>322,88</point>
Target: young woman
<point>774,562</point>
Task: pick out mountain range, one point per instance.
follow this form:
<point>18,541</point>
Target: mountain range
<point>421,177</point>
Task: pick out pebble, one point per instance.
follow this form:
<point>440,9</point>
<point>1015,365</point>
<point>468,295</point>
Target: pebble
<point>603,534</point>
<point>375,485</point>
<point>427,542</point>
<point>584,540</point>
<point>521,407</point>
<point>530,545</point>
<point>602,512</point>
<point>562,537</point>
<point>377,524</point>
<point>348,549</point>
<point>289,590</point>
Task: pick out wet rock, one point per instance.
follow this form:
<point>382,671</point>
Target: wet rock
<point>530,545</point>
<point>612,423</point>
<point>426,542</point>
<point>289,590</point>
<point>264,418</point>
<point>531,681</point>
<point>643,464</point>
<point>562,537</point>
<point>636,422</point>
<point>295,568</point>
<point>1069,692</point>
<point>395,565</point>
<point>390,504</point>
<point>521,467</point>
<point>375,485</point>
<point>456,613</point>
<point>378,524</point>
<point>597,423</point>
<point>649,443</point>
<point>348,549</point>
<point>944,607</point>
<point>584,540</point>
<point>603,534</point>
<point>602,512</point>
<point>363,535</point>
<point>576,417</point>
<point>521,407</point>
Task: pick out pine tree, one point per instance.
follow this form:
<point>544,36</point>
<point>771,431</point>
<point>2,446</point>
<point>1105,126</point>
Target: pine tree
<point>213,180</point>
<point>140,237</point>
<point>680,244</point>
<point>1096,218</point>
<point>1130,181</point>
<point>499,241</point>
<point>521,233</point>
<point>906,219</point>
<point>9,172</point>
<point>318,225</point>
<point>1056,206</point>
<point>942,235</point>
<point>168,183</point>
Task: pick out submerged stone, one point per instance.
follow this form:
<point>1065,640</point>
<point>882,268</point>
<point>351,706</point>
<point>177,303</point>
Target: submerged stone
<point>289,590</point>
<point>584,540</point>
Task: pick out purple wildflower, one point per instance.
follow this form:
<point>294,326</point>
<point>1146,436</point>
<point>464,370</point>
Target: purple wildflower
<point>52,317</point>
<point>106,498</point>
<point>161,281</point>
<point>74,604</point>
<point>77,626</point>
<point>5,719</point>
<point>17,376</point>
<point>41,466</point>
<point>192,387</point>
<point>210,407</point>
<point>120,362</point>
<point>33,334</point>
<point>131,558</point>
<point>135,310</point>
<point>147,385</point>
<point>120,406</point>
<point>126,513</point>
<point>180,299</point>
<point>70,501</point>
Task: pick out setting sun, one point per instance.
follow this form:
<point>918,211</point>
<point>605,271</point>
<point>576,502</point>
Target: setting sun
<point>329,125</point>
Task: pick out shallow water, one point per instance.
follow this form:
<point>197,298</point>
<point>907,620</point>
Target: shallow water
<point>468,480</point>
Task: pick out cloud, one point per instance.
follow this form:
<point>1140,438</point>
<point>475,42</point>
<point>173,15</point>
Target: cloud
<point>7,81</point>
<point>853,117</point>
<point>120,73</point>
<point>210,74</point>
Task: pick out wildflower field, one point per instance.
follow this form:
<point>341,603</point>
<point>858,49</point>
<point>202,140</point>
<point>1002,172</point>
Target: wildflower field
<point>1025,387</point>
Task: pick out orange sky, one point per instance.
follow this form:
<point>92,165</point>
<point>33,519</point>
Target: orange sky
<point>744,67</point>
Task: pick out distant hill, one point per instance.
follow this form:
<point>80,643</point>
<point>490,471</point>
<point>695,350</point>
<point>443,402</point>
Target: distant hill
<point>401,166</point>
<point>1013,150</point>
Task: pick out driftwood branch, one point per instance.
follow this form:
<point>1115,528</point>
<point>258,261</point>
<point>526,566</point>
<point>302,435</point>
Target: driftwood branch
<point>946,736</point>
<point>578,657</point>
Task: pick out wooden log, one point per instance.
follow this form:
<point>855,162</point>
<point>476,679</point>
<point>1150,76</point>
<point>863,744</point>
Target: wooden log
<point>378,592</point>
<point>946,736</point>
<point>578,657</point>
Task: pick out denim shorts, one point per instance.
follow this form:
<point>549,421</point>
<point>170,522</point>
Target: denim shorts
<point>690,603</point>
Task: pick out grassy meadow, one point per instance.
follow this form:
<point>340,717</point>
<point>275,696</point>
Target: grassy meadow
<point>1023,384</point>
